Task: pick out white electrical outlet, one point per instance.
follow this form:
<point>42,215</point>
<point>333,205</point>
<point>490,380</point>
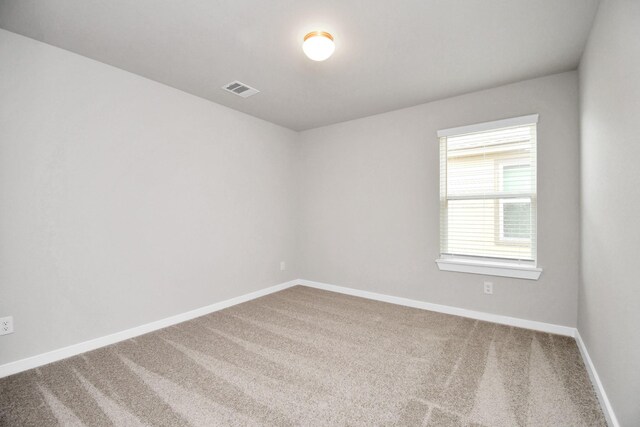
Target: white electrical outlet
<point>283,266</point>
<point>488,288</point>
<point>6,325</point>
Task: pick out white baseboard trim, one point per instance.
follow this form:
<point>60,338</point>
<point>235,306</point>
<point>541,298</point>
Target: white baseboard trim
<point>597,384</point>
<point>75,349</point>
<point>479,315</point>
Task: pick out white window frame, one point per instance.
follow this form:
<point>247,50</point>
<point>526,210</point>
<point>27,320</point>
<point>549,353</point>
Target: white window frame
<point>522,269</point>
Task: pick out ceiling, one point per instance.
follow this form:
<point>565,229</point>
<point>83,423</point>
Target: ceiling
<point>389,54</point>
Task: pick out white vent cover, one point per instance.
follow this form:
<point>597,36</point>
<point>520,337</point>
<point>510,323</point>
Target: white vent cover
<point>240,89</point>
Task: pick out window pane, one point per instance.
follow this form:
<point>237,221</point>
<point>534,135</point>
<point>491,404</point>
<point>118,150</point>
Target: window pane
<point>516,178</point>
<point>516,220</point>
<point>473,228</point>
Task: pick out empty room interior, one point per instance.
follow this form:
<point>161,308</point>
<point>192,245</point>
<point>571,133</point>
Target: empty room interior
<point>295,213</point>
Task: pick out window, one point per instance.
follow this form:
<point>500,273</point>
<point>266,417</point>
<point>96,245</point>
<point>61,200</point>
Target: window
<point>488,198</point>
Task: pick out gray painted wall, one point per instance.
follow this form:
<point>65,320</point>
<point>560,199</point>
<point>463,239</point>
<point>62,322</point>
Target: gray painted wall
<point>369,218</point>
<point>124,201</point>
<point>609,298</point>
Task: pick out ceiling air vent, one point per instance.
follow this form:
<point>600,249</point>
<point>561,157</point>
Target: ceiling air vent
<point>240,89</point>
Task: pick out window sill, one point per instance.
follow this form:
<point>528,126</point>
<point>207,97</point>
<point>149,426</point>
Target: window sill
<point>489,268</point>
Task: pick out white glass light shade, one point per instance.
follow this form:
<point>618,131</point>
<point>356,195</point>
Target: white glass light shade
<point>318,45</point>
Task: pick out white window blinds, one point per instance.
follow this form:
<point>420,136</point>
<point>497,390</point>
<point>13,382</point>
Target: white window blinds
<point>488,190</point>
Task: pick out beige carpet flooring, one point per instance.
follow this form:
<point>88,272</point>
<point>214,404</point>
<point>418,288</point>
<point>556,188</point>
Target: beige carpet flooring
<point>310,357</point>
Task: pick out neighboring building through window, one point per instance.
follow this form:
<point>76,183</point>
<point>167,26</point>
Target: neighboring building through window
<point>488,192</point>
<point>515,213</point>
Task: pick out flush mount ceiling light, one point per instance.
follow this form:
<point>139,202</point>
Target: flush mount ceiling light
<point>318,45</point>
